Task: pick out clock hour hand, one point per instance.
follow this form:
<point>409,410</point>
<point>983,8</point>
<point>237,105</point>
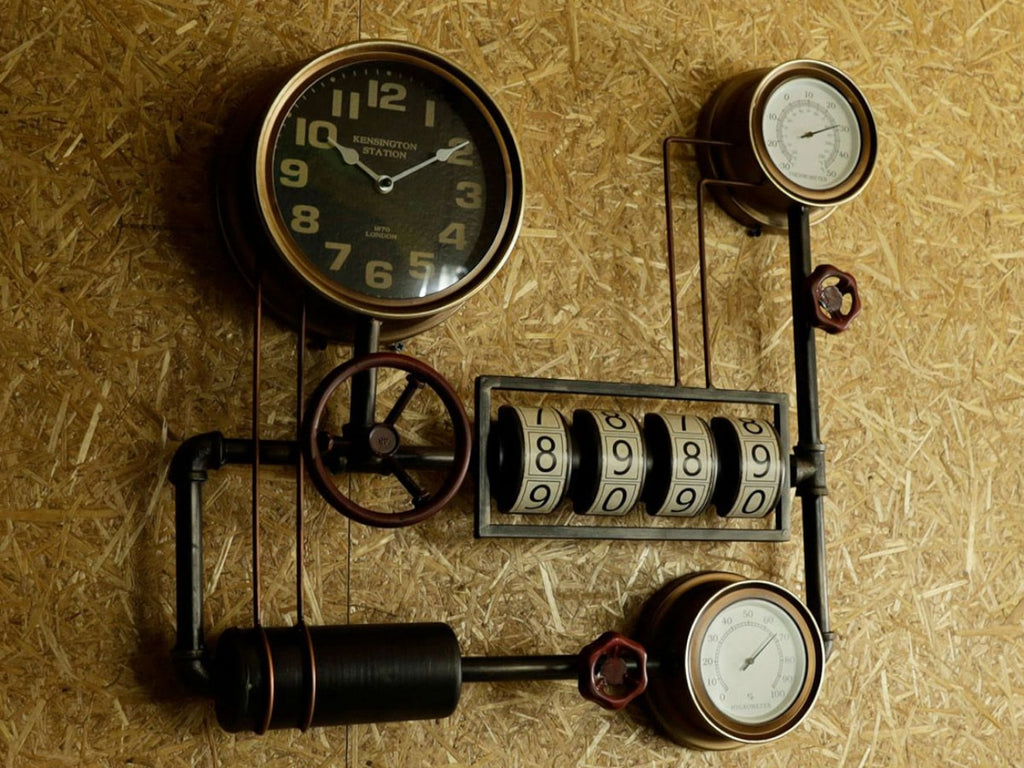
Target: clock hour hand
<point>442,155</point>
<point>351,157</point>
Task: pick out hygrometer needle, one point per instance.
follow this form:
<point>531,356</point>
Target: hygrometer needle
<point>750,659</point>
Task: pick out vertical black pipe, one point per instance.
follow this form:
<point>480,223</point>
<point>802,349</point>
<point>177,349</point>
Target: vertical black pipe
<point>809,450</point>
<point>187,474</point>
<point>364,384</point>
<point>188,471</point>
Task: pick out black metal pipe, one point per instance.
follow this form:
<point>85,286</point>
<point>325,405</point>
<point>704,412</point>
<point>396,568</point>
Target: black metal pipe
<point>364,383</point>
<point>188,471</point>
<point>488,669</point>
<point>809,452</point>
<point>496,669</point>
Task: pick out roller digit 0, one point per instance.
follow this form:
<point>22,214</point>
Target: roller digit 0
<point>753,473</point>
<point>612,462</point>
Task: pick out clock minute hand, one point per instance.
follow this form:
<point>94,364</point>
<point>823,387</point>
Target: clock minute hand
<point>441,155</point>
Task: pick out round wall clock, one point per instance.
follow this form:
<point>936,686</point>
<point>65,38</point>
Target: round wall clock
<point>379,181</point>
<point>801,132</point>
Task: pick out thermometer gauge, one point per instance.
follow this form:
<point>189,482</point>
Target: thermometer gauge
<point>801,133</point>
<point>811,133</point>
<point>741,661</point>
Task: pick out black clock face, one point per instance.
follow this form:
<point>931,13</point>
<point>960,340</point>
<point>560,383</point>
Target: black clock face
<point>389,181</point>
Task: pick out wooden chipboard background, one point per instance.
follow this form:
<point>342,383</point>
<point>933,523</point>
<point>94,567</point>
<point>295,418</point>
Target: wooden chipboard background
<point>123,330</point>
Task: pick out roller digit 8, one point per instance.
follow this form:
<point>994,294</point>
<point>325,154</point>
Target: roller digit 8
<point>531,459</point>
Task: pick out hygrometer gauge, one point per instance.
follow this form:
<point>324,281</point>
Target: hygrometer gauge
<point>380,180</point>
<point>801,132</point>
<point>741,661</point>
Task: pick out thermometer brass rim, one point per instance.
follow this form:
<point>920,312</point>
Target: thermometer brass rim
<point>674,628</point>
<point>733,126</point>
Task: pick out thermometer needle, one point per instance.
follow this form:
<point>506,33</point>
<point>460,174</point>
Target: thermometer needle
<point>750,659</point>
<point>815,133</point>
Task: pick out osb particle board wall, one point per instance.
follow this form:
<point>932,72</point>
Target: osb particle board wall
<point>123,330</point>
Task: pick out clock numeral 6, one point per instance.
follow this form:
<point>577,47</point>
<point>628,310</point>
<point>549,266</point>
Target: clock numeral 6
<point>378,274</point>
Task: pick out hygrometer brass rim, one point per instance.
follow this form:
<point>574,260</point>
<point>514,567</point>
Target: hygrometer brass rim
<point>740,661</point>
<point>799,133</point>
<point>385,183</point>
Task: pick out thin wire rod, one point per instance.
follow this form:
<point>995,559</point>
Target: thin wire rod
<point>703,184</point>
<point>702,259</point>
<point>701,252</point>
<point>300,464</point>
<point>669,226</point>
<point>256,345</point>
<point>300,506</point>
<point>673,301</point>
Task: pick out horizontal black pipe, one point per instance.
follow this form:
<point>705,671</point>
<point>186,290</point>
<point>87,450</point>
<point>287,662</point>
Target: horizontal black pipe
<point>494,669</point>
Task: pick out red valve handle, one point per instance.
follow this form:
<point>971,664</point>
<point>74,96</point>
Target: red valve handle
<point>829,288</point>
<point>613,670</point>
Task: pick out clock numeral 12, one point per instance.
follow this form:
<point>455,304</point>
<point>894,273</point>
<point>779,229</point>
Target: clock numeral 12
<point>390,96</point>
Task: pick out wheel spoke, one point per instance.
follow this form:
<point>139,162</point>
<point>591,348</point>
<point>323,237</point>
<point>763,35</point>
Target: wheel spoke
<point>413,386</point>
<point>419,496</point>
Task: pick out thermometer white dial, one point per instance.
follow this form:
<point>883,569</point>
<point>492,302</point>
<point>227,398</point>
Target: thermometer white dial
<point>811,133</point>
<point>800,133</point>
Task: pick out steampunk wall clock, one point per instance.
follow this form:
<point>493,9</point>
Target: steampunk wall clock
<point>379,180</point>
<point>373,192</point>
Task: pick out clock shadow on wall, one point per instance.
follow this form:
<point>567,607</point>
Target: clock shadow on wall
<point>212,288</point>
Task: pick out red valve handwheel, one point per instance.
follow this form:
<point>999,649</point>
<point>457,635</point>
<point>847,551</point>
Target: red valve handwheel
<point>829,288</point>
<point>381,440</point>
<point>613,670</point>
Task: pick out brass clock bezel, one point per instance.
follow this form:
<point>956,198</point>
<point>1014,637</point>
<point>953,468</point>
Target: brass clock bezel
<point>247,192</point>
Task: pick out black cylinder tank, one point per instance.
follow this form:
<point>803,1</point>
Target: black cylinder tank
<point>296,677</point>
